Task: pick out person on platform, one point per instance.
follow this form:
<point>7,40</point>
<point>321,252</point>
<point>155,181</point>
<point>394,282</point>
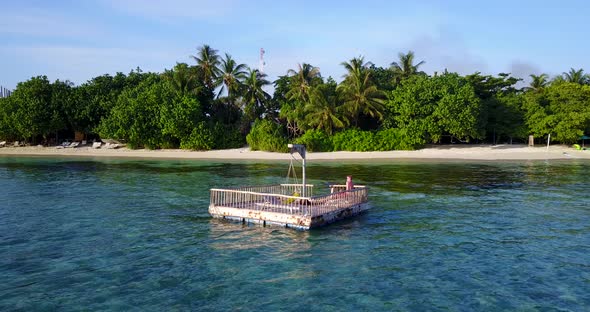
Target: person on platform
<point>349,184</point>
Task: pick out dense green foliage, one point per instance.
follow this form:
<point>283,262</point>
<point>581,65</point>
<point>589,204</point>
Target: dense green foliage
<point>267,136</point>
<point>435,106</point>
<point>316,141</point>
<point>149,110</point>
<point>357,140</point>
<point>562,109</point>
<point>200,138</point>
<point>136,117</point>
<point>33,110</point>
<point>217,102</point>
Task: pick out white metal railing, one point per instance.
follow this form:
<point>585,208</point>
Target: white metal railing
<point>281,189</point>
<point>335,188</point>
<point>338,200</point>
<point>280,199</point>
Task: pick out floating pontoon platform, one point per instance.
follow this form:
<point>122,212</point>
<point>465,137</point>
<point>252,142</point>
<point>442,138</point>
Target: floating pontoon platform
<point>269,205</point>
<point>288,205</point>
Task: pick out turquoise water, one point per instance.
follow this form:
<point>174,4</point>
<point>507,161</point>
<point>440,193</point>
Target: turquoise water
<point>82,234</point>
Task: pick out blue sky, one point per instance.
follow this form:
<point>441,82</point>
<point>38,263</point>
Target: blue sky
<point>78,40</point>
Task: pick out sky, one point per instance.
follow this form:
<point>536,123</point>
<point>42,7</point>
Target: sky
<point>78,40</point>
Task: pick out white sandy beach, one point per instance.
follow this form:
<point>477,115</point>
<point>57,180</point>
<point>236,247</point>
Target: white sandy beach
<point>443,152</point>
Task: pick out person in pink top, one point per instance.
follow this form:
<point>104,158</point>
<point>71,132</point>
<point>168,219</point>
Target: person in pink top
<point>349,184</point>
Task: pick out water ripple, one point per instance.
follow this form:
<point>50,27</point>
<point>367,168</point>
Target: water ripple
<point>135,235</point>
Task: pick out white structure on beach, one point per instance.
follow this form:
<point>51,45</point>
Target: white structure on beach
<point>4,92</point>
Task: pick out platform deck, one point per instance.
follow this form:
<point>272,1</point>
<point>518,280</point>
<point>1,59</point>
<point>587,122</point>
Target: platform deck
<point>269,205</point>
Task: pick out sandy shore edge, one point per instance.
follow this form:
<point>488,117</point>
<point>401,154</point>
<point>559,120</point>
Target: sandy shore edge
<point>450,152</point>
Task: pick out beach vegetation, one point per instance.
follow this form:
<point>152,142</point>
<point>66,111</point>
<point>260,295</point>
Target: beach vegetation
<point>255,98</point>
<point>316,140</point>
<point>295,94</point>
<point>201,138</point>
<point>135,118</point>
<point>323,111</point>
<point>268,136</point>
<point>436,106</point>
<point>231,77</point>
<point>216,102</point>
<point>538,82</point>
<point>576,76</point>
<point>405,67</point>
<point>33,112</point>
<point>562,110</point>
<point>208,62</point>
<point>359,94</point>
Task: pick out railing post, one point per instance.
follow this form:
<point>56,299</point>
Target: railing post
<point>304,180</point>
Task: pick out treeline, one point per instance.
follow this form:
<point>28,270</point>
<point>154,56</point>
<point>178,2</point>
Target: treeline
<point>219,103</point>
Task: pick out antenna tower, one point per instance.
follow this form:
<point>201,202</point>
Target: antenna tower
<point>262,63</point>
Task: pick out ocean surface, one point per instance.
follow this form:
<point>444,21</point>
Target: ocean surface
<point>135,235</point>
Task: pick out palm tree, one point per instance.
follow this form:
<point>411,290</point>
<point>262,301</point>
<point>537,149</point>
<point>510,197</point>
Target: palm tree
<point>254,96</point>
<point>322,110</point>
<point>301,82</point>
<point>183,78</point>
<point>538,82</point>
<point>405,67</point>
<point>558,79</point>
<point>576,76</point>
<point>358,91</point>
<point>231,75</point>
<point>208,61</point>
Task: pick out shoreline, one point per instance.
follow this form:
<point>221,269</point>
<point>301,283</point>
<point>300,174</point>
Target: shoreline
<point>438,152</point>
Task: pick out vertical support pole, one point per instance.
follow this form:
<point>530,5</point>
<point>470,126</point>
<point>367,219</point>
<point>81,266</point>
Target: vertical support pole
<point>300,148</point>
<point>304,181</point>
<point>494,143</point>
<point>548,140</point>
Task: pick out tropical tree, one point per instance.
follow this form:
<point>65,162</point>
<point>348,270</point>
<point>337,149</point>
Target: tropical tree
<point>500,116</point>
<point>302,80</point>
<point>538,82</point>
<point>254,96</point>
<point>576,76</point>
<point>208,61</point>
<point>231,75</point>
<point>136,116</point>
<point>503,116</point>
<point>62,96</point>
<point>36,108</point>
<point>430,107</point>
<point>358,92</point>
<point>405,66</point>
<point>557,80</point>
<point>266,135</point>
<point>322,111</point>
<point>560,110</point>
<point>8,122</point>
<point>183,79</point>
<point>384,78</point>
<point>299,83</point>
